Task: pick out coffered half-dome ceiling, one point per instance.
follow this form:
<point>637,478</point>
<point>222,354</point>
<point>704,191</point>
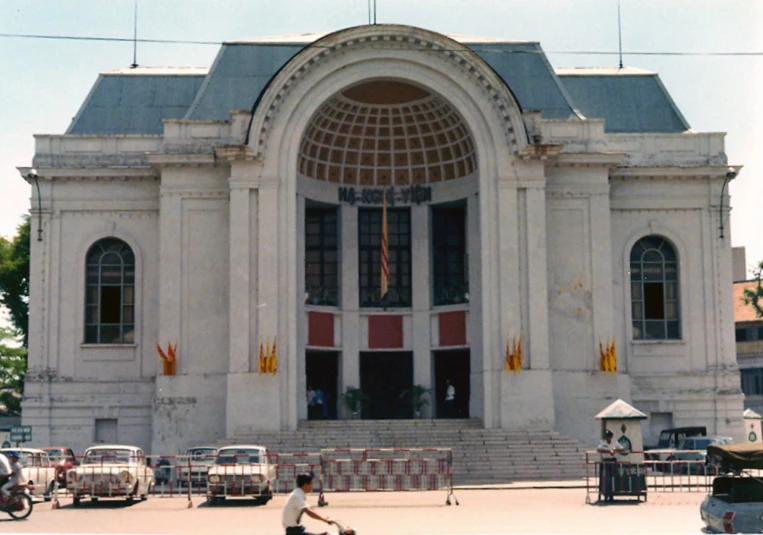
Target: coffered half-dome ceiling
<point>386,132</point>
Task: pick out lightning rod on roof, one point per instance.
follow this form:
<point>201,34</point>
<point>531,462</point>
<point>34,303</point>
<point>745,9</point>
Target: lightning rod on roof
<point>619,35</point>
<point>135,38</point>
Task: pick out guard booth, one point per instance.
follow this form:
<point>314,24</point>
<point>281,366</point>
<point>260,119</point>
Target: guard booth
<point>752,427</point>
<point>628,475</point>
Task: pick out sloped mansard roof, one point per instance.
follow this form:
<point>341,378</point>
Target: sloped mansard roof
<point>135,101</point>
<point>629,100</point>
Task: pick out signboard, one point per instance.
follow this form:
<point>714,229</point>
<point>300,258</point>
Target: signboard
<point>21,433</point>
<point>375,196</point>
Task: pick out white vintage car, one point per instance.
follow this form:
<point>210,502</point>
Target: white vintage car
<point>193,466</point>
<point>241,471</point>
<point>36,471</point>
<point>111,472</point>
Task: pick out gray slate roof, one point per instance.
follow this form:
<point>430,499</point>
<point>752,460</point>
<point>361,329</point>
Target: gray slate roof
<point>134,101</point>
<point>629,100</point>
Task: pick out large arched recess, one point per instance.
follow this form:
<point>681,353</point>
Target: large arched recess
<point>351,56</point>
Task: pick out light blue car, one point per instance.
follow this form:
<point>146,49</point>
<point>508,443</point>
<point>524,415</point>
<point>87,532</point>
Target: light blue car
<point>735,504</point>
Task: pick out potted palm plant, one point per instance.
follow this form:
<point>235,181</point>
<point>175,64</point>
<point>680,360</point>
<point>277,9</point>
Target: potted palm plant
<point>416,397</point>
<point>354,399</point>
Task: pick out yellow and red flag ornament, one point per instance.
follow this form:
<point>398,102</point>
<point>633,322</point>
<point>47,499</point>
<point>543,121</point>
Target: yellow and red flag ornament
<point>268,357</point>
<point>384,249</point>
<point>513,355</point>
<point>608,356</point>
<point>169,359</point>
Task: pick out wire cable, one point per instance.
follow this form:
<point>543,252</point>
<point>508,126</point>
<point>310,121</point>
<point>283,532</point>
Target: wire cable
<point>476,47</point>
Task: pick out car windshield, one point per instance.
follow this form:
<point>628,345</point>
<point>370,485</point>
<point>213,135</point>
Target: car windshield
<point>664,440</point>
<point>108,456</point>
<point>55,455</point>
<point>203,454</point>
<point>242,456</point>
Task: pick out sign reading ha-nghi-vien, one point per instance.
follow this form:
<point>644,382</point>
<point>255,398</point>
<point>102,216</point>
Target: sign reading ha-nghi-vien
<point>375,196</point>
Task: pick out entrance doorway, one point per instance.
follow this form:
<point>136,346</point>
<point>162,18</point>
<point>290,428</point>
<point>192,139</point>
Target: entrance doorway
<point>383,378</point>
<point>322,372</point>
<point>453,366</point>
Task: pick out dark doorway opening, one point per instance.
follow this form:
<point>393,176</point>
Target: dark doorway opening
<point>453,366</point>
<point>383,378</point>
<point>322,371</point>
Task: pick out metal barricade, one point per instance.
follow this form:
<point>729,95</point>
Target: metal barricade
<point>664,471</point>
<point>387,469</point>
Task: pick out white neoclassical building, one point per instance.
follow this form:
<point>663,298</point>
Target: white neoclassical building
<point>228,208</point>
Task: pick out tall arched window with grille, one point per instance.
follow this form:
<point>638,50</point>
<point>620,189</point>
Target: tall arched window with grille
<point>654,290</point>
<point>110,293</point>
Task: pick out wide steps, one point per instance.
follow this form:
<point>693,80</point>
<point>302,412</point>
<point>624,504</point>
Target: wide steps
<point>479,455</point>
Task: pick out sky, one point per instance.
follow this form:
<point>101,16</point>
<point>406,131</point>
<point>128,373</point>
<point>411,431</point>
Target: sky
<point>45,81</point>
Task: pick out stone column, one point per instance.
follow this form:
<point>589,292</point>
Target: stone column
<point>537,279</point>
<point>350,296</point>
<point>170,269</point>
<point>474,333</point>
<point>421,288</point>
<point>240,270</point>
<point>301,406</point>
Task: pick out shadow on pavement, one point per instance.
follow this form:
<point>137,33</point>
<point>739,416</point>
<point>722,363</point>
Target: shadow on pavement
<point>102,504</point>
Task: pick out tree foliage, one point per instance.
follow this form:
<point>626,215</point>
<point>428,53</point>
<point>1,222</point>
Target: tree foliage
<point>754,297</point>
<point>13,365</point>
<point>14,278</point>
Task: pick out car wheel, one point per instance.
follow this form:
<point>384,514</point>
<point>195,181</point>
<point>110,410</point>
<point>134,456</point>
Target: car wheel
<point>94,499</point>
<point>76,501</point>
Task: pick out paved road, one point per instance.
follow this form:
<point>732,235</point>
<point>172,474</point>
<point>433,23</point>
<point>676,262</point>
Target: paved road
<point>417,513</point>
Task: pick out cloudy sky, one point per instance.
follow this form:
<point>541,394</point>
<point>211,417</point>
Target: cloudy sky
<point>44,81</point>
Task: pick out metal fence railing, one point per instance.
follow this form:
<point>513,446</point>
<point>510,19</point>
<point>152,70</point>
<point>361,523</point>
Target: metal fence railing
<point>661,471</point>
<point>166,476</point>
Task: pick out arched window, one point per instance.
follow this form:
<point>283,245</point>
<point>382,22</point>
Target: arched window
<point>654,290</point>
<point>110,293</point>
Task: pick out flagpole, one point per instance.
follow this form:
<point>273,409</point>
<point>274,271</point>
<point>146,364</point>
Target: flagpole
<point>384,249</point>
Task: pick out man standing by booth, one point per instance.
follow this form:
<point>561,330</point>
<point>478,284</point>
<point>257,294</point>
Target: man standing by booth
<point>607,449</point>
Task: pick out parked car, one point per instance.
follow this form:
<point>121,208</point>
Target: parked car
<point>735,502</point>
<point>36,471</point>
<point>199,459</point>
<point>111,472</point>
<point>668,442</point>
<point>241,471</point>
<point>63,460</point>
<point>693,451</point>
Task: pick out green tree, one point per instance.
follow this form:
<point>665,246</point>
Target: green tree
<point>754,297</point>
<point>14,278</point>
<point>13,363</point>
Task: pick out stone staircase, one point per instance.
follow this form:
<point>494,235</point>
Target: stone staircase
<point>480,456</point>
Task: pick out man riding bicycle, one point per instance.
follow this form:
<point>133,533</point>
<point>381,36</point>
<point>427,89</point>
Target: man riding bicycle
<point>296,505</point>
<point>13,478</point>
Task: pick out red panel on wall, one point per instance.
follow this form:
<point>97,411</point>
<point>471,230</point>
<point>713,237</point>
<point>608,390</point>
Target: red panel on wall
<point>452,328</point>
<point>320,329</point>
<point>385,332</point>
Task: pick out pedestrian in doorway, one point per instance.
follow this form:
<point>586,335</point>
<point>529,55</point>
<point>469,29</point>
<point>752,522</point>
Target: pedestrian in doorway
<point>310,403</point>
<point>319,403</point>
<point>607,450</point>
<point>450,400</point>
<point>327,398</point>
<point>296,506</point>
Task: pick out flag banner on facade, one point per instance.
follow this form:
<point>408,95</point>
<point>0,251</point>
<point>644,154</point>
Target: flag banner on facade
<point>608,356</point>
<point>169,359</point>
<point>268,360</point>
<point>384,250</point>
<point>513,355</point>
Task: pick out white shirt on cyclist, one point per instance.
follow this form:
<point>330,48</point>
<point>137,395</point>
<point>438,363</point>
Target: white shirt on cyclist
<point>292,511</point>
